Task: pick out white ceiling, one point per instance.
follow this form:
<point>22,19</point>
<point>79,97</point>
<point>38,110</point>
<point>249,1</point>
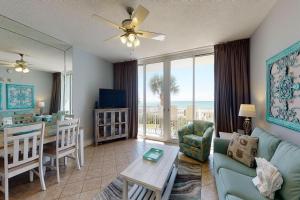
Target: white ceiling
<point>188,24</point>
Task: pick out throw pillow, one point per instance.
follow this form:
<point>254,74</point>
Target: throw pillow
<point>268,179</point>
<point>243,148</point>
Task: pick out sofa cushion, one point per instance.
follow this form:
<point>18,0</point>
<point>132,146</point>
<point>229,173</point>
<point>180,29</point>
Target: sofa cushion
<point>192,140</point>
<point>238,185</point>
<point>243,148</point>
<point>286,159</point>
<point>223,161</point>
<point>267,143</point>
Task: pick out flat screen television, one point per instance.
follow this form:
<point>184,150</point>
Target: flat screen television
<point>109,98</point>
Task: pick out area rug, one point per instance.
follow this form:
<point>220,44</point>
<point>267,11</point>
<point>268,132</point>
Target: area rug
<point>187,185</point>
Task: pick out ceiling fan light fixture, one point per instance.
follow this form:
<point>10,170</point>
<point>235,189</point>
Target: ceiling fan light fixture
<point>18,69</point>
<point>136,42</point>
<point>131,37</point>
<point>129,44</point>
<point>26,70</point>
<point>123,39</point>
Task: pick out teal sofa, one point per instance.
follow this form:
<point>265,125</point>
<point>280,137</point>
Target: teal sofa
<point>195,139</point>
<point>234,180</point>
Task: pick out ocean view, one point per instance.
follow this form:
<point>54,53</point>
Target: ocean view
<point>207,105</point>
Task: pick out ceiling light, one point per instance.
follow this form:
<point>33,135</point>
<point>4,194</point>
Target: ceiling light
<point>123,39</point>
<point>131,37</point>
<point>18,69</point>
<point>129,44</point>
<point>136,42</point>
<point>26,70</point>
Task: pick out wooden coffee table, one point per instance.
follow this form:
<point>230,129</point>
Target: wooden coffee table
<point>150,178</point>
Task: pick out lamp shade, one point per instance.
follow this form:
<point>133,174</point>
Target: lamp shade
<point>247,110</point>
<point>41,104</point>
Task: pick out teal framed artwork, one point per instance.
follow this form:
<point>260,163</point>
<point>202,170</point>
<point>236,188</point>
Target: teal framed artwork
<point>19,96</point>
<point>283,88</point>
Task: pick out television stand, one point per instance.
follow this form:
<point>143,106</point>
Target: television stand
<point>110,124</point>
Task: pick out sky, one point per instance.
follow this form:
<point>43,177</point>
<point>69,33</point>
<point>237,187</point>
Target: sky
<point>182,70</point>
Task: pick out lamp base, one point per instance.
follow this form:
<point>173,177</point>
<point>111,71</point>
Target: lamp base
<point>247,125</point>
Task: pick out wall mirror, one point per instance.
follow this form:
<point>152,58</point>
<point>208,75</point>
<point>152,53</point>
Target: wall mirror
<point>34,67</point>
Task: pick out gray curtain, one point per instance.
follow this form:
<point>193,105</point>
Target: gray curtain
<point>56,93</point>
<point>232,84</point>
<point>125,78</point>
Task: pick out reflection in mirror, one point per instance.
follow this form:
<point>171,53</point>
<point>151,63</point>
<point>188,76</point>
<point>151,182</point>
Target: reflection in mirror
<point>35,71</point>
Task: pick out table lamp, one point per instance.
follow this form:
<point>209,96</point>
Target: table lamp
<point>41,105</point>
<point>247,111</point>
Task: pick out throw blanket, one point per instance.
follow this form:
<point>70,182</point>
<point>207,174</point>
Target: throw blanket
<point>268,179</point>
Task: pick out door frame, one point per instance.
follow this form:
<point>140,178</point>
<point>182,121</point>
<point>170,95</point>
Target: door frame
<point>166,60</point>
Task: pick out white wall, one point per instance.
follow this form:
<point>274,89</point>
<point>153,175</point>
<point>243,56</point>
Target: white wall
<point>89,74</point>
<point>42,82</point>
<point>279,30</point>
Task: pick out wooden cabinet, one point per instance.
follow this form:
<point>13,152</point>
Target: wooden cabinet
<point>110,124</point>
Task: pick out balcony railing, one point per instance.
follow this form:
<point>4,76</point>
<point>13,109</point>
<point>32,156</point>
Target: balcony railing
<point>179,117</point>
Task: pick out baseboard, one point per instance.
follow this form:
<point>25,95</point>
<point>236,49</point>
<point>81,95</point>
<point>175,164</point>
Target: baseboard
<point>88,142</point>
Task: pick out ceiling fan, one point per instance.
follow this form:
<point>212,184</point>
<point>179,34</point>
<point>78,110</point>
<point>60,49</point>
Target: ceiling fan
<point>19,65</point>
<point>129,26</point>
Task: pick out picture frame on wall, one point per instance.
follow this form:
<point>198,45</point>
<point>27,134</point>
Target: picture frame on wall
<point>283,88</point>
<point>19,96</point>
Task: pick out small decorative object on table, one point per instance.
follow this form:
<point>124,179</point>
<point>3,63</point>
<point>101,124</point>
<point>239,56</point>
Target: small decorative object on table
<point>153,154</point>
<point>247,111</point>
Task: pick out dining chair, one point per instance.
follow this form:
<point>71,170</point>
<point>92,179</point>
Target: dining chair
<point>67,132</point>
<point>23,151</point>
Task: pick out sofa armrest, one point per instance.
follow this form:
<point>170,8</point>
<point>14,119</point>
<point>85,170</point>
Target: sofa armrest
<point>221,145</point>
<point>187,130</point>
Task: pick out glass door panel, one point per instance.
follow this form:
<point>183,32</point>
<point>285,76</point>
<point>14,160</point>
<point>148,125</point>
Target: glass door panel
<point>154,100</point>
<point>181,94</point>
<point>141,100</point>
<point>204,88</point>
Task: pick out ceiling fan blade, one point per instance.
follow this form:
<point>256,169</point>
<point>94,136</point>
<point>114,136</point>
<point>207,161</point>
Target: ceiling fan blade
<point>4,62</point>
<point>139,15</point>
<point>151,35</point>
<point>102,19</point>
<point>113,37</point>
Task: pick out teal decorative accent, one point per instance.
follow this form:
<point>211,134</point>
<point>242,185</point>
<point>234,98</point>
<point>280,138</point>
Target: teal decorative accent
<point>19,96</point>
<point>283,88</point>
<point>153,154</point>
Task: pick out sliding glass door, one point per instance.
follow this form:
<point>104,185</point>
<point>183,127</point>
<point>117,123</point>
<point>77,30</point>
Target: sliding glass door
<point>173,93</point>
<point>181,94</point>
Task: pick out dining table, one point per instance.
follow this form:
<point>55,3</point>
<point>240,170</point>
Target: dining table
<point>49,136</point>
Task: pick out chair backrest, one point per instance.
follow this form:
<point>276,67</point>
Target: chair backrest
<point>25,143</point>
<point>67,134</point>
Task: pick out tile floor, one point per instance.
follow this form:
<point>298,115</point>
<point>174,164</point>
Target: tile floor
<point>102,164</point>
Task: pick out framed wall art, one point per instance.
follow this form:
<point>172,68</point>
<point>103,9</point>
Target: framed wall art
<point>19,96</point>
<point>283,88</point>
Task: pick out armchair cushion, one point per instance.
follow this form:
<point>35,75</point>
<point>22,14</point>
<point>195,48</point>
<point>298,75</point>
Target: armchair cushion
<point>193,140</point>
<point>200,127</point>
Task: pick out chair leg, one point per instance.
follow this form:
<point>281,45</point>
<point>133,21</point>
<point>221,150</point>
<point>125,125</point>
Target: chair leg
<point>6,194</point>
<point>31,176</point>
<point>52,161</point>
<point>65,160</point>
<point>77,159</point>
<point>41,175</point>
<point>57,169</point>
